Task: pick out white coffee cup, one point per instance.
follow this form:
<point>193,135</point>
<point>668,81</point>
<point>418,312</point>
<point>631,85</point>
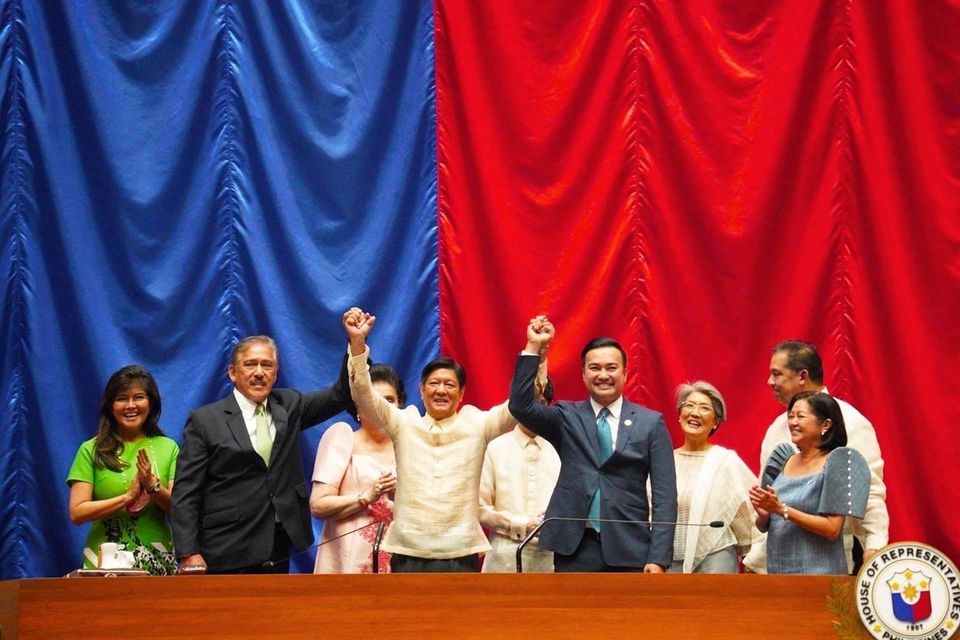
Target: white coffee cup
<point>108,554</point>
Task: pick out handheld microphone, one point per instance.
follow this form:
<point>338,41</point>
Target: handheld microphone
<point>269,564</point>
<point>376,546</point>
<point>715,524</point>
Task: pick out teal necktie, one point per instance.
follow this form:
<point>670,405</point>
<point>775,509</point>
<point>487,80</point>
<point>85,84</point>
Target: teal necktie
<point>606,450</point>
<point>264,443</point>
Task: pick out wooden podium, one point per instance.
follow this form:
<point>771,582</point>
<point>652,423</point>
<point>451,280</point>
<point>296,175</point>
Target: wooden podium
<point>503,606</point>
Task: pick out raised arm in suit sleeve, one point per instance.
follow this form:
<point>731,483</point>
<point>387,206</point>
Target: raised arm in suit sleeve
<point>500,420</point>
<point>323,405</point>
<point>663,489</point>
<point>541,419</point>
<point>188,490</point>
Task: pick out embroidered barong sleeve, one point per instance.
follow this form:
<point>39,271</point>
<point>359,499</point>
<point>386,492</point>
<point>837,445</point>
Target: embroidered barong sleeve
<point>498,420</point>
<point>382,414</point>
<point>501,521</point>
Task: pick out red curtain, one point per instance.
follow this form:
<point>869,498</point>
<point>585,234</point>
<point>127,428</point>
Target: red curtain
<point>701,180</point>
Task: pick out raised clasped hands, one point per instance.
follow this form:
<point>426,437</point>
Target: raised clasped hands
<point>540,332</point>
<point>358,323</point>
<point>134,491</point>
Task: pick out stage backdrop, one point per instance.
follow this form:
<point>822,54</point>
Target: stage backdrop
<point>181,174</point>
<point>702,180</point>
<point>699,179</point>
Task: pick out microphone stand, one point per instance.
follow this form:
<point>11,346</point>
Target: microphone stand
<point>272,563</point>
<point>376,546</point>
<point>716,524</point>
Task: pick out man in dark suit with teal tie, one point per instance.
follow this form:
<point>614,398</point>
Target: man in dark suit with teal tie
<point>608,448</point>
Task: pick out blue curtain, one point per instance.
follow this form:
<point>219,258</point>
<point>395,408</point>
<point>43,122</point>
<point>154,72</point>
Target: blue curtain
<point>177,175</point>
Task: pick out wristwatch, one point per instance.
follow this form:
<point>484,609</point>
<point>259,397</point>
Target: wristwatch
<point>363,501</point>
<point>155,487</point>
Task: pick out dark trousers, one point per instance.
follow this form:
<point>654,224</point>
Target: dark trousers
<point>400,563</point>
<point>279,556</point>
<point>588,558</point>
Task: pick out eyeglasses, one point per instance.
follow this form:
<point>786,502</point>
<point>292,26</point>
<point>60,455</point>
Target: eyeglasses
<point>692,407</point>
<point>251,365</point>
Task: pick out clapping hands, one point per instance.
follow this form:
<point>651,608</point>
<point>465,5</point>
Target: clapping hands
<point>145,469</point>
<point>765,501</point>
<point>386,484</point>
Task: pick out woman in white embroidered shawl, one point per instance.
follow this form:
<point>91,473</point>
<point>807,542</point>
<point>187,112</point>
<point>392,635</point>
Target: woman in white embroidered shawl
<point>712,485</point>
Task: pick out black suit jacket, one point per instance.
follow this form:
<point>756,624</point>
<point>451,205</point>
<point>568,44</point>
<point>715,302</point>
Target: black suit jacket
<point>225,496</point>
<point>643,449</point>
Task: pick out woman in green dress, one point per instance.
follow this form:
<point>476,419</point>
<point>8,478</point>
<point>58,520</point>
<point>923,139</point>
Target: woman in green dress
<point>121,479</point>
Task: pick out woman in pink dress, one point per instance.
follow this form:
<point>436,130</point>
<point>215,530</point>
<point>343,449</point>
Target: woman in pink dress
<point>353,482</point>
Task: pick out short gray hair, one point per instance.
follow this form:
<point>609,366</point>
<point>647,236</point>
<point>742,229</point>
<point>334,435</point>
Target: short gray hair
<point>247,342</point>
<point>707,389</point>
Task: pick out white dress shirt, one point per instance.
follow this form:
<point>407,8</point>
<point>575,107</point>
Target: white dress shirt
<point>519,473</point>
<point>247,409</point>
<point>613,419</point>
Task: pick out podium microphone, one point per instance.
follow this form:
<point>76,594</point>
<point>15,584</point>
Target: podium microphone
<point>269,564</point>
<point>715,524</point>
<point>376,546</point>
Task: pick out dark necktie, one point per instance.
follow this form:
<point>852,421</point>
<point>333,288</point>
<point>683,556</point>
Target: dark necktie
<point>606,450</point>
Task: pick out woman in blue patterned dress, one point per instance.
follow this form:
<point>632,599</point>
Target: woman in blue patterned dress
<point>809,488</point>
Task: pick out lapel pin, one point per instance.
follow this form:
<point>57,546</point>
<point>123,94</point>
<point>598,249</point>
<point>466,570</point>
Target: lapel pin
<point>627,422</point>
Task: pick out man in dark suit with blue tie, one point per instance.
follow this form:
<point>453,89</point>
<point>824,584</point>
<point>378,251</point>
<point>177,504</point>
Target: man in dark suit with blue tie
<point>608,448</point>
